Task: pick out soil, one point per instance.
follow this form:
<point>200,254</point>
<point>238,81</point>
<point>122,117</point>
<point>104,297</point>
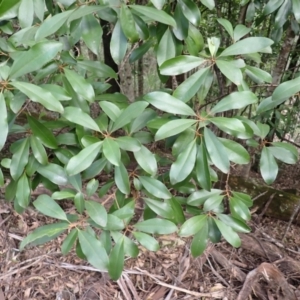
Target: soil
<point>264,267</point>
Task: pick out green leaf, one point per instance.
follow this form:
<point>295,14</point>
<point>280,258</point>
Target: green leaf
<point>1,178</point>
<point>194,41</point>
<point>26,12</point>
<point>247,45</point>
<point>154,14</point>
<point>114,223</point>
<point>182,24</point>
<point>236,224</point>
<point>47,206</point>
<point>210,4</point>
<point>40,95</point>
<point>118,44</point>
<point>147,241</point>
<point>158,3</point>
<point>93,250</point>
<point>91,33</point>
<point>156,226</point>
<point>79,202</point>
<point>268,166</point>
<point>77,116</point>
<point>97,212</point>
<point>199,241</point>
<point>197,198</point>
<point>57,91</point>
<point>165,102</point>
<point>246,199</point>
<point>202,168</point>
<point>92,187</point>
<point>239,209</point>
<point>292,149</point>
<point>112,110</point>
<point>129,113</point>
<point>84,10</point>
<point>192,225</point>
<point>63,194</point>
<point>54,173</point>
<point>216,151</point>
<point>227,25</point>
<point>285,90</point>
<point>166,48</point>
<point>239,31</point>
<point>3,122</point>
<point>41,132</point>
<point>188,89</point>
<point>128,143</point>
<point>116,260</point>
<point>284,155</point>
<point>98,68</point>
<point>180,64</point>
<point>83,159</point>
<point>139,52</point>
<point>229,69</point>
<point>23,191</point>
<point>184,163</point>
<point>35,58</point>
<point>160,208</point>
<point>80,85</point>
<point>173,127</point>
<point>111,151</point>
<point>19,159</point>
<point>272,6</point>
<point>191,11</point>
<point>213,203</point>
<point>51,25</point>
<point>230,236</point>
<point>263,129</point>
<point>69,241</point>
<point>235,151</point>
<point>122,179</point>
<point>296,9</point>
<point>51,231</point>
<point>95,168</point>
<point>128,24</point>
<point>155,187</point>
<point>7,9</point>
<point>235,100</point>
<point>146,160</point>
<point>38,150</point>
<point>258,75</point>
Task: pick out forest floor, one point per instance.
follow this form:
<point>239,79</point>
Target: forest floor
<point>264,267</point>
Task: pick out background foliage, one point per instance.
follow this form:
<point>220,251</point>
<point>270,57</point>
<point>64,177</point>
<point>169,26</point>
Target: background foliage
<point>76,120</point>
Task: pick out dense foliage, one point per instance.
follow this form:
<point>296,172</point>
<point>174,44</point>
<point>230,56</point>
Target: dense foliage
<point>81,130</point>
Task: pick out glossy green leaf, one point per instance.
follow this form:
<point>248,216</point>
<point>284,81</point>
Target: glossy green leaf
<point>154,14</point>
<point>77,116</point>
<point>112,110</point>
<point>239,209</point>
<point>283,154</point>
<point>51,25</point>
<point>182,24</point>
<point>35,58</point>
<point>236,224</point>
<point>230,236</point>
<point>1,178</point>
<point>285,90</point>
<point>26,12</point>
<point>92,187</point>
<point>188,89</point>
<point>192,225</point>
<point>69,241</point>
<point>122,179</point>
<point>155,187</point>
<point>39,8</point>
<point>114,223</point>
<point>93,250</point>
<point>296,9</point>
<point>118,44</point>
<point>199,197</point>
<point>54,173</point>
<point>258,75</point>
<point>111,151</point>
<point>130,248</point>
<point>80,85</point>
<point>147,241</point>
<point>139,52</point>
<point>272,6</point>
<point>3,121</point>
<point>57,91</point>
<point>158,3</point>
<point>248,45</point>
<point>84,10</point>
<point>216,151</point>
<point>239,31</point>
<point>168,103</point>
<point>128,24</point>
<point>116,260</point>
<point>23,191</point>
<point>194,41</point>
<point>83,159</point>
<point>6,9</point>
<point>235,100</point>
<point>96,67</point>
<point>180,64</point>
<point>126,212</point>
<point>246,199</point>
<point>184,163</point>
<point>173,127</point>
<point>19,159</point>
<point>191,11</point>
<point>184,138</point>
<point>40,95</point>
<point>129,113</point>
<point>290,148</point>
<point>51,231</point>
<point>230,71</point>
<point>156,226</point>
<point>199,241</point>
<point>91,33</point>
<point>227,25</point>
<point>268,166</point>
<point>235,151</point>
<point>128,143</point>
<point>63,194</point>
<point>202,168</point>
<point>41,132</point>
<point>166,48</point>
<point>97,212</point>
<point>79,202</point>
<point>38,150</point>
<point>213,45</point>
<point>47,206</point>
<point>146,160</point>
<point>210,4</point>
<point>213,203</point>
<point>160,208</point>
<point>263,129</point>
